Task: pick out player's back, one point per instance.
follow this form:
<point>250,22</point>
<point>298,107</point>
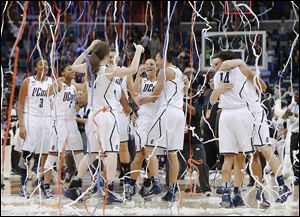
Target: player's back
<point>242,92</point>
<point>173,92</point>
<point>102,92</point>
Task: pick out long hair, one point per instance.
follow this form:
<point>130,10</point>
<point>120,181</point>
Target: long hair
<point>225,55</point>
<point>170,55</point>
<point>99,52</point>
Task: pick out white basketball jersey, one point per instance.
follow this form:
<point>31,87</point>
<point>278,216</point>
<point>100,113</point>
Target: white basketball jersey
<point>147,87</point>
<point>173,92</point>
<point>242,93</point>
<point>121,83</point>
<point>37,103</point>
<point>64,102</point>
<point>102,92</point>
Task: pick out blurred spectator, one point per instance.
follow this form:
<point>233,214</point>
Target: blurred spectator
<point>287,96</point>
<point>282,30</point>
<point>296,66</point>
<point>262,7</point>
<point>271,58</point>
<point>19,78</point>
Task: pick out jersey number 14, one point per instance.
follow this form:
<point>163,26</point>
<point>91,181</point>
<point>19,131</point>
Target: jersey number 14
<point>226,78</point>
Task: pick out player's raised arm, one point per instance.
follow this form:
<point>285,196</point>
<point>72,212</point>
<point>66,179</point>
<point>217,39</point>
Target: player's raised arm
<point>229,64</point>
<point>121,72</point>
<point>78,65</point>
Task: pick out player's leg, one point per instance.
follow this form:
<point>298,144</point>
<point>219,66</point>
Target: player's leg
<point>151,184</point>
<point>261,139</point>
<point>239,166</point>
<point>94,145</point>
<point>124,159</point>
<point>284,191</point>
<point>123,150</point>
<point>136,165</point>
<point>24,164</point>
<point>174,127</point>
<point>228,148</point>
<point>51,159</point>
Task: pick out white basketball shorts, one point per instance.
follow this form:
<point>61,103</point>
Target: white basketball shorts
<point>236,131</point>
<point>102,131</point>
<point>38,131</point>
<point>167,129</point>
<point>65,136</point>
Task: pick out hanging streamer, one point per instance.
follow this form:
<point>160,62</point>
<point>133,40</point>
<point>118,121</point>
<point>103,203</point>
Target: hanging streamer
<point>15,48</point>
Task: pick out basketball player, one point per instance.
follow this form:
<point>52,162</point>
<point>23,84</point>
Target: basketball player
<point>167,129</point>
<point>102,126</point>
<point>34,120</point>
<point>292,114</point>
<point>261,139</point>
<point>235,126</point>
<point>123,85</point>
<point>144,86</point>
<point>65,134</point>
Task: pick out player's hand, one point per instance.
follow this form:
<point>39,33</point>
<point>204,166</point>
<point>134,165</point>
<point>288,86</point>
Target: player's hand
<point>133,118</point>
<point>96,41</point>
<point>289,112</point>
<point>61,79</point>
<point>22,132</point>
<point>186,129</point>
<point>224,87</point>
<point>139,47</point>
<point>186,81</point>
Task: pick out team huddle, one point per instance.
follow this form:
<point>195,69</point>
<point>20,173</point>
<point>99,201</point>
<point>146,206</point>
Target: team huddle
<point>47,110</point>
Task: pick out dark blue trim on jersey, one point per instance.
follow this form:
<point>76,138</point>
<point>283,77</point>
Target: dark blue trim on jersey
<point>262,118</point>
<point>158,120</point>
<point>175,90</point>
<point>169,150</point>
<point>240,93</point>
<point>111,145</point>
<point>140,139</point>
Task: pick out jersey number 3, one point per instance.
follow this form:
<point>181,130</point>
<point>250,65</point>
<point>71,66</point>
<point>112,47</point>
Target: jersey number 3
<point>226,78</point>
<point>41,102</point>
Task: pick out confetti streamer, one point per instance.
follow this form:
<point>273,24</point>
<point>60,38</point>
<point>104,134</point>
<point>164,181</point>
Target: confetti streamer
<point>2,74</point>
<point>105,22</point>
<point>15,48</point>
